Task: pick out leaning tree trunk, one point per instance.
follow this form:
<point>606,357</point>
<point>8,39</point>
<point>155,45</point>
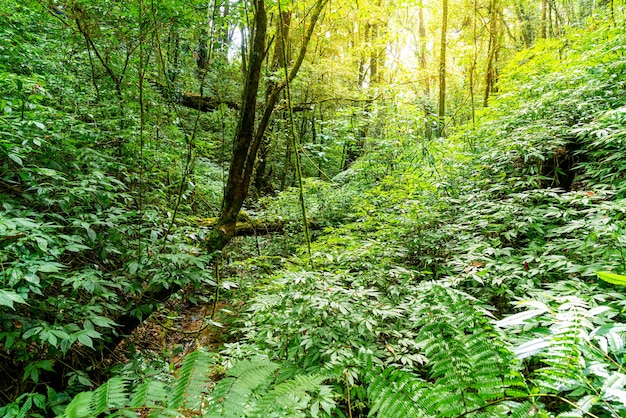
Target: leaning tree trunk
<point>262,181</point>
<point>245,149</point>
<point>236,187</point>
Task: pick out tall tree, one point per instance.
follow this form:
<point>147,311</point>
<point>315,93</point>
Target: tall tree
<point>472,72</point>
<point>423,63</point>
<point>544,14</point>
<point>442,67</point>
<point>261,178</point>
<point>492,51</point>
<point>247,139</point>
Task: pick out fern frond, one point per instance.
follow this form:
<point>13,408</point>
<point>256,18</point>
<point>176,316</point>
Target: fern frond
<point>232,394</point>
<point>468,362</point>
<point>521,410</point>
<point>81,406</point>
<point>111,395</point>
<point>395,393</point>
<point>193,380</point>
<point>150,394</point>
<point>563,352</point>
<point>288,395</point>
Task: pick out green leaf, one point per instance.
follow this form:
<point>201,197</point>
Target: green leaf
<point>7,298</point>
<point>42,243</point>
<point>32,278</point>
<point>519,318</point>
<point>85,340</point>
<point>75,248</point>
<point>39,400</point>
<point>31,332</point>
<point>45,365</point>
<point>132,267</point>
<point>102,321</point>
<point>16,159</point>
<point>9,340</point>
<point>50,267</point>
<point>613,278</point>
<point>60,334</point>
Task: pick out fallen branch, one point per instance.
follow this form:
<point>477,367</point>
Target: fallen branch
<point>252,227</point>
<point>249,227</point>
<point>204,103</point>
<point>192,100</point>
<point>209,104</point>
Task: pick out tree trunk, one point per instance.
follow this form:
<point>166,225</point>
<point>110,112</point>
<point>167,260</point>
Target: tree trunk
<point>422,51</point>
<point>363,69</point>
<point>544,6</point>
<point>224,28</point>
<point>442,68</point>
<point>490,76</point>
<point>526,26</point>
<point>245,149</point>
<point>472,71</point>
<point>374,54</point>
<point>262,182</point>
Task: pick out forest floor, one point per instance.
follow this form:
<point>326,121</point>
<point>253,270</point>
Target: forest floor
<point>178,329</point>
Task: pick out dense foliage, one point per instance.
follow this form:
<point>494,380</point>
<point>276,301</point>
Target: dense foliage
<point>474,275</point>
<point>80,235</point>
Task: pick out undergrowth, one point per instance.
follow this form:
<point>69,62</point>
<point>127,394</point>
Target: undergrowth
<point>409,304</point>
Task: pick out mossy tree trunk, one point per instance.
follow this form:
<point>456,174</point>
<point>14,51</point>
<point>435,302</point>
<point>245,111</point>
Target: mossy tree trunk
<point>245,149</point>
<point>262,181</point>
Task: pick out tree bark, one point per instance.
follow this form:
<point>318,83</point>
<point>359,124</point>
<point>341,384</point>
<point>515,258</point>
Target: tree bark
<point>245,148</point>
<point>377,53</point>
<point>261,180</point>
<point>254,227</point>
<point>490,76</point>
<point>204,103</point>
<point>236,188</point>
<point>544,6</point>
<point>442,67</point>
<point>373,53</point>
<point>472,71</point>
<point>422,51</point>
<point>526,25</point>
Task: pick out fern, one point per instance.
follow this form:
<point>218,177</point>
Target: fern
<point>515,409</point>
<point>118,396</point>
<point>193,380</point>
<point>151,394</point>
<point>581,355</point>
<point>565,358</point>
<point>232,393</point>
<point>395,393</point>
<point>288,395</point>
<point>248,390</point>
<point>81,406</point>
<point>111,395</point>
<point>469,368</point>
<point>468,362</point>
